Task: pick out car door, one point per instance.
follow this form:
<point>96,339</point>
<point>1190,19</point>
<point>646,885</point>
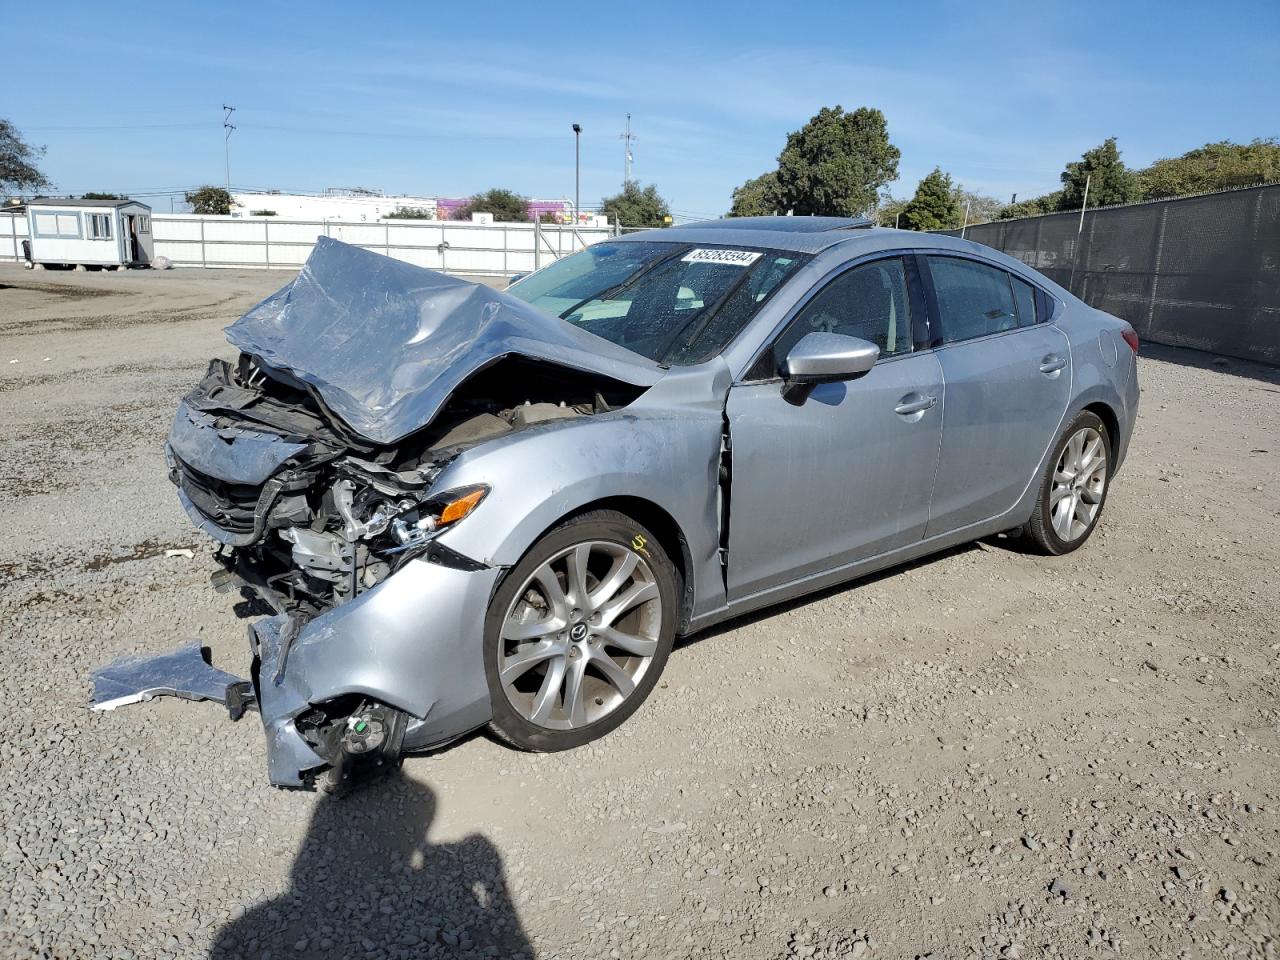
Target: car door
<point>847,473</point>
<point>1008,380</point>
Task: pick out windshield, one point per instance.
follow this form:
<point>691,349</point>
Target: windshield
<point>675,303</point>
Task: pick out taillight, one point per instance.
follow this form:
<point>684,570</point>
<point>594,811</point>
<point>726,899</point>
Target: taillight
<point>1130,337</point>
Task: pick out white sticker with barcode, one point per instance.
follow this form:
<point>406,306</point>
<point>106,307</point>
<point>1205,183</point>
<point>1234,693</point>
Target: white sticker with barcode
<point>732,258</point>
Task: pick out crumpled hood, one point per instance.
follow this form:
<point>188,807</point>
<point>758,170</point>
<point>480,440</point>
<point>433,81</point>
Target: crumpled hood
<point>385,342</point>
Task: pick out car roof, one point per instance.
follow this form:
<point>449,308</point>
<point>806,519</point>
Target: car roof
<point>801,234</point>
<point>817,234</point>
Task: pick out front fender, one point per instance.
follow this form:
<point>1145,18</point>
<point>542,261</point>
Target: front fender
<point>543,476</point>
<point>667,454</point>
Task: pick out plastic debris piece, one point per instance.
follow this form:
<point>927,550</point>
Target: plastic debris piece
<point>185,673</point>
<point>181,552</point>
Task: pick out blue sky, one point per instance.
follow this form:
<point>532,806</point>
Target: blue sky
<point>452,98</point>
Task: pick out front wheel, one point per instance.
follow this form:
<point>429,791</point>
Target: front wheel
<point>1074,488</point>
<point>578,632</point>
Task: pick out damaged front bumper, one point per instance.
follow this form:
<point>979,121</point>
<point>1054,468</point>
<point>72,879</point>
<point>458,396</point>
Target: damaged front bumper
<point>377,649</point>
<point>316,682</point>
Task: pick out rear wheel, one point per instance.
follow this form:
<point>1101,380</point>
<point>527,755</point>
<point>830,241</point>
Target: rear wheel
<point>1074,488</point>
<point>578,632</point>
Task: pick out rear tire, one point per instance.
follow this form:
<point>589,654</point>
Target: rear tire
<point>578,632</point>
<point>1073,490</point>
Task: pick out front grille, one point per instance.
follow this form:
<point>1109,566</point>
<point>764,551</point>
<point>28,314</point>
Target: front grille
<point>229,505</point>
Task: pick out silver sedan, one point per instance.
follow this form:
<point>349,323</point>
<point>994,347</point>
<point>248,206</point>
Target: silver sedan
<point>469,507</point>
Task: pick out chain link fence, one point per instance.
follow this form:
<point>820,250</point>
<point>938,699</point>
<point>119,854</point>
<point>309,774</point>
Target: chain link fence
<point>1201,272</point>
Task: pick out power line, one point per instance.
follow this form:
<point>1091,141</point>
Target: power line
<point>123,126</point>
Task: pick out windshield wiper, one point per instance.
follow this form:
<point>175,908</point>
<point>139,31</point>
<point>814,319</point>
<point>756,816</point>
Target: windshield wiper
<point>617,288</point>
<point>702,317</point>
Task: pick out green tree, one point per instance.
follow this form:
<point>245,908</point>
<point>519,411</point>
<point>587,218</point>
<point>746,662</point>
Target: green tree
<point>1110,181</point>
<point>409,213</point>
<point>91,195</point>
<point>982,209</point>
<point>836,164</point>
<point>18,158</point>
<point>758,197</point>
<point>888,210</point>
<point>1033,207</point>
<point>634,207</point>
<point>1215,166</point>
<point>506,206</point>
<point>262,213</point>
<point>934,205</point>
<point>209,201</point>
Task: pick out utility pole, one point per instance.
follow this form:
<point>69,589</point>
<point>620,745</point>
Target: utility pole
<point>1079,231</point>
<point>965,226</point>
<point>627,138</point>
<point>577,171</point>
<point>226,140</point>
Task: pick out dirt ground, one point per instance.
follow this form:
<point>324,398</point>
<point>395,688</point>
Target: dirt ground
<point>985,754</point>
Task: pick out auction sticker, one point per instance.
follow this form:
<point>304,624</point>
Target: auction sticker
<point>733,258</point>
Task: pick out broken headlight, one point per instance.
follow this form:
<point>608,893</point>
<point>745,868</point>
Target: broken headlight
<point>441,510</point>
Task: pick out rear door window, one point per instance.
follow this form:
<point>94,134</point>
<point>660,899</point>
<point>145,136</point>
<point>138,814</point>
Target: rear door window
<point>975,299</point>
<point>1024,296</point>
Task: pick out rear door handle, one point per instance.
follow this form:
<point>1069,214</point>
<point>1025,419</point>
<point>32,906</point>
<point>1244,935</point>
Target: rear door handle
<point>914,403</point>
<point>1052,363</point>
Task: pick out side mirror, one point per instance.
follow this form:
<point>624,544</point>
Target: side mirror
<point>825,358</point>
<point>515,278</point>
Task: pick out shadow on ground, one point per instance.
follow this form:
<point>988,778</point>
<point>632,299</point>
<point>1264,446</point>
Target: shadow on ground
<point>1000,542</point>
<point>368,882</point>
<point>1212,361</point>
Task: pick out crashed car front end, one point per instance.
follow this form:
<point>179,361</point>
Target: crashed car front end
<point>313,461</point>
<point>342,548</point>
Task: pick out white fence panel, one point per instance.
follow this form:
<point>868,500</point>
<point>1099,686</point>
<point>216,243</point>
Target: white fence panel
<point>292,231</point>
<point>271,243</point>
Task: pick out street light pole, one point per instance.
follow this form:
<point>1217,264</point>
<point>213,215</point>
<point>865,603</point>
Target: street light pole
<point>577,171</point>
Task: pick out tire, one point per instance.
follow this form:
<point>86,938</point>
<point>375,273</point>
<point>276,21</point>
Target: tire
<point>542,647</point>
<point>1073,490</point>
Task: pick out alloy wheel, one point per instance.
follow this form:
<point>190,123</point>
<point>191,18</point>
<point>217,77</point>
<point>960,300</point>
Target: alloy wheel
<point>579,636</point>
<point>1079,482</point>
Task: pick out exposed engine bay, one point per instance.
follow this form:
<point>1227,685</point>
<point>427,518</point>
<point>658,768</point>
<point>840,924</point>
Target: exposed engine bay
<point>328,515</point>
<point>315,461</point>
<point>339,515</point>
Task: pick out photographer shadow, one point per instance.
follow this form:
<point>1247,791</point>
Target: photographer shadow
<point>367,881</point>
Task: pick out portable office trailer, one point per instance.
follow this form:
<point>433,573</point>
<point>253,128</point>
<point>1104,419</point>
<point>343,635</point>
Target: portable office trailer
<point>89,233</point>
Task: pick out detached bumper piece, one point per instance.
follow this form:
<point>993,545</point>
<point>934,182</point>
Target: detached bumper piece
<point>185,673</point>
<point>343,695</point>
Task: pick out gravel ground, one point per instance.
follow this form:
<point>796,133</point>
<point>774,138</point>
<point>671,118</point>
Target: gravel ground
<point>986,754</point>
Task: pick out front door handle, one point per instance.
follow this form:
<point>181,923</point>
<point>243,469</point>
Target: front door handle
<point>914,403</point>
<point>1052,363</point>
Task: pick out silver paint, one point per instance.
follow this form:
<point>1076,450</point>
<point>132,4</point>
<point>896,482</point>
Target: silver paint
<point>924,451</point>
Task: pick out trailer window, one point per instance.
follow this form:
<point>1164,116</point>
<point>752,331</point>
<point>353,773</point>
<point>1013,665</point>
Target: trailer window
<point>144,223</point>
<point>61,226</point>
<point>99,226</point>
